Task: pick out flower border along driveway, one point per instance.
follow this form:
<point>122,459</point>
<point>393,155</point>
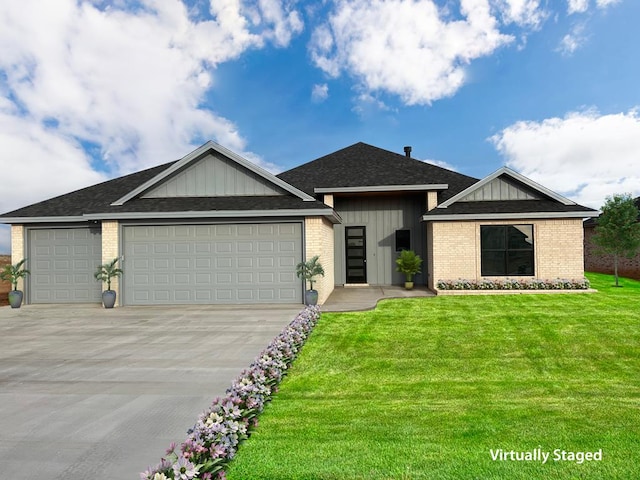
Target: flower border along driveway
<point>92,393</point>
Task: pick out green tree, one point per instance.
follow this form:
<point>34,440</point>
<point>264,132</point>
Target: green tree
<point>618,230</point>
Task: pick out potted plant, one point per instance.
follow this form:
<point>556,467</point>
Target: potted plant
<point>307,270</point>
<point>408,263</point>
<point>105,273</point>
<point>11,274</point>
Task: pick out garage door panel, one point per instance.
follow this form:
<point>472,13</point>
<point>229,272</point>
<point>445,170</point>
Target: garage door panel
<point>244,263</point>
<point>62,263</point>
<point>223,262</point>
<point>223,247</point>
<point>287,261</point>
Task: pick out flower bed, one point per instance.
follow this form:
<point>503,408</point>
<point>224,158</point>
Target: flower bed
<point>514,284</point>
<point>214,439</point>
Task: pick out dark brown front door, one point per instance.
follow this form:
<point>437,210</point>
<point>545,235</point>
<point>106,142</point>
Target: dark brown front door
<point>356,253</point>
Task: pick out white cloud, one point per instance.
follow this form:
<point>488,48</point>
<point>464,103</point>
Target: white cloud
<point>404,47</point>
<point>441,164</point>
<point>584,155</point>
<point>525,13</point>
<point>573,40</point>
<point>577,6</point>
<point>582,6</point>
<point>128,78</point>
<point>129,82</point>
<point>320,92</point>
<point>606,3</point>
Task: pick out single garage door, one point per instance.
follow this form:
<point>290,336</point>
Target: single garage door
<point>62,262</point>
<point>212,264</point>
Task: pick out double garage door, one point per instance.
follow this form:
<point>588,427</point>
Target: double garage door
<point>171,264</point>
<point>212,264</point>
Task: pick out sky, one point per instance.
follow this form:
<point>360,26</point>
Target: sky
<point>92,90</point>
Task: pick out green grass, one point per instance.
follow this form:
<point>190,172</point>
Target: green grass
<point>424,388</point>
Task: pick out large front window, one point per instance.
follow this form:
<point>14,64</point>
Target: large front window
<point>506,250</point>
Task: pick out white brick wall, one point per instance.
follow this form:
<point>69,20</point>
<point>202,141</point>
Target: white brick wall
<point>319,241</point>
<point>111,250</point>
<point>558,247</point>
<point>18,248</point>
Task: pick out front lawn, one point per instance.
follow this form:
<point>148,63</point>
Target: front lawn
<point>428,388</point>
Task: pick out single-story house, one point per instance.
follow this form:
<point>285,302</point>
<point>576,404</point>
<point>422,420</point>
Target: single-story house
<point>627,267</point>
<point>213,227</point>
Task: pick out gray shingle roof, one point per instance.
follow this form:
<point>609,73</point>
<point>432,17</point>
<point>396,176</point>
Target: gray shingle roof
<point>363,165</point>
<point>359,165</point>
<point>93,199</point>
<point>97,199</point>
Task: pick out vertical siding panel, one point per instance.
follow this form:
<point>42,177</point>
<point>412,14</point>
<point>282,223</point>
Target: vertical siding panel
<point>201,179</point>
<point>172,189</point>
<point>215,176</point>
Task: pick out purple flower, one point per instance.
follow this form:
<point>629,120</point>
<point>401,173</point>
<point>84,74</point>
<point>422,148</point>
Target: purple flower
<point>171,449</point>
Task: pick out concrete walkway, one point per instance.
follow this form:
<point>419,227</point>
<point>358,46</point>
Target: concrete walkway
<point>351,299</point>
<point>89,393</point>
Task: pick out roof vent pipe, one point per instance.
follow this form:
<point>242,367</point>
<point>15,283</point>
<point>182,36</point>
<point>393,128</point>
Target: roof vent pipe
<point>407,151</point>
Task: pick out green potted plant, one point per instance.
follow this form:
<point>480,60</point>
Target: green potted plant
<point>408,263</point>
<point>11,274</point>
<point>307,270</point>
<point>104,274</point>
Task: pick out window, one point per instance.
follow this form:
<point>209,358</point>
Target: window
<point>403,240</point>
<point>506,250</point>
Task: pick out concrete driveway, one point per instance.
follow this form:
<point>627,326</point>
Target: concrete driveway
<point>92,393</point>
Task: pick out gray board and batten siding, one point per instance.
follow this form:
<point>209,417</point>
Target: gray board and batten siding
<point>381,216</point>
<point>62,262</point>
<point>501,189</point>
<point>214,176</point>
<point>212,264</point>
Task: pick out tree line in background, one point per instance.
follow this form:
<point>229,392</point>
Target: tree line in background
<point>617,232</point>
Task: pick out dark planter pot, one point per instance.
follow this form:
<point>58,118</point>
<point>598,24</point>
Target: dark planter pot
<point>15,298</point>
<point>108,298</point>
<point>311,297</point>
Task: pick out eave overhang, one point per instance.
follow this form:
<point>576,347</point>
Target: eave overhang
<point>506,216</point>
<point>25,220</point>
<point>383,188</point>
<point>328,213</point>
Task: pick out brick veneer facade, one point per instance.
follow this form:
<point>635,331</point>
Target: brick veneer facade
<point>627,267</point>
<point>5,287</point>
<point>454,249</point>
<point>319,240</point>
<point>17,248</point>
<point>111,250</point>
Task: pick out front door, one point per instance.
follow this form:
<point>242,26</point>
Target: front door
<point>356,253</point>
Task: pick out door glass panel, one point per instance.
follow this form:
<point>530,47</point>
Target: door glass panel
<point>356,262</point>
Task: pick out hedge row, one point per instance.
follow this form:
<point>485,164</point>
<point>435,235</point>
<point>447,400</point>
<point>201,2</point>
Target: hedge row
<point>514,284</point>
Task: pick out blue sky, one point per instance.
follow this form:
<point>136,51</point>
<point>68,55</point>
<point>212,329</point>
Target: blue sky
<point>91,90</point>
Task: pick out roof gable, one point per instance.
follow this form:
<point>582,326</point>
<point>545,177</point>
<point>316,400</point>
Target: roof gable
<point>214,175</point>
<point>362,165</point>
<point>501,188</point>
<point>216,159</point>
<point>506,194</point>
